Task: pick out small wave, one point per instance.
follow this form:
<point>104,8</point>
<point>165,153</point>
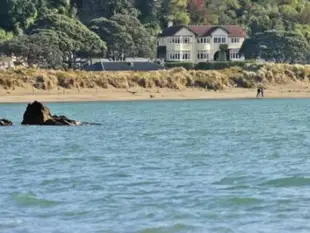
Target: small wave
<point>295,181</point>
<point>32,200</point>
<point>237,187</point>
<point>76,213</point>
<point>179,228</point>
<point>222,230</point>
<point>232,180</point>
<point>239,201</point>
<point>9,223</point>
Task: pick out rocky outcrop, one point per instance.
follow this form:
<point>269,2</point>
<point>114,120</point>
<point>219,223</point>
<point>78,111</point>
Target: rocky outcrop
<point>39,114</point>
<point>36,114</point>
<point>5,122</point>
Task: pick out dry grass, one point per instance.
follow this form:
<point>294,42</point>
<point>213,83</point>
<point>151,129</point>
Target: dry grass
<point>178,78</point>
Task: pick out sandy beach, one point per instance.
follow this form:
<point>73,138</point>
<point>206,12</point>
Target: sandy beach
<point>280,81</point>
<point>24,95</point>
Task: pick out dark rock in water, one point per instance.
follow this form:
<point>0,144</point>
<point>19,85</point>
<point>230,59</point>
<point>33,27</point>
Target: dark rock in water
<point>38,114</point>
<point>61,120</point>
<point>5,122</point>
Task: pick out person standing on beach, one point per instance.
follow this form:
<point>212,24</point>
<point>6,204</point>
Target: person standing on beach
<point>262,92</point>
<point>258,92</point>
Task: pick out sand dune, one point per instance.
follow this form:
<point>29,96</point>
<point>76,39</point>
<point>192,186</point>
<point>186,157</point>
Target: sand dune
<point>279,80</point>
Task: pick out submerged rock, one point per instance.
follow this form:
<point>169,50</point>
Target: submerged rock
<point>5,122</point>
<point>39,114</point>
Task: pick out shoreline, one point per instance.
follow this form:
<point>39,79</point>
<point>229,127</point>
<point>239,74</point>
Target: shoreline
<point>107,95</point>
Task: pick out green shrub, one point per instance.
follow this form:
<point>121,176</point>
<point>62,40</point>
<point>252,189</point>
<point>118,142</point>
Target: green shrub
<point>219,65</point>
<point>185,65</point>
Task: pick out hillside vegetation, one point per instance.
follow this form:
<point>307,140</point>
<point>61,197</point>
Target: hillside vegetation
<point>54,33</point>
<point>177,78</point>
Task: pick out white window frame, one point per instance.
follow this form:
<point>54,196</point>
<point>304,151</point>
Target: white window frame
<point>186,55</point>
<point>235,40</point>
<point>174,55</point>
<point>219,39</point>
<point>161,41</point>
<point>203,40</point>
<point>174,40</point>
<point>203,55</point>
<point>186,40</point>
<point>234,54</point>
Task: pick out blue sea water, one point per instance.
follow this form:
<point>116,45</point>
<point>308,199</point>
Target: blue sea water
<point>159,166</point>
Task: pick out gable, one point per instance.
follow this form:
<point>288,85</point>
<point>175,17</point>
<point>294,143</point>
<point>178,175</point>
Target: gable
<point>184,32</point>
<point>219,31</point>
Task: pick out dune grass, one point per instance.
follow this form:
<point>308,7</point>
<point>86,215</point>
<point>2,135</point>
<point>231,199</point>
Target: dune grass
<point>249,76</point>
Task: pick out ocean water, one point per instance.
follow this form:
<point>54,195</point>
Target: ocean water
<point>159,167</point>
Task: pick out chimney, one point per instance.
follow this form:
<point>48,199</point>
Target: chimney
<point>170,23</point>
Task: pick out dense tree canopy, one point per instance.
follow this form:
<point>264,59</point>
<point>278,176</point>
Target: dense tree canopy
<point>129,26</point>
<point>40,48</point>
<point>120,42</point>
<point>277,46</point>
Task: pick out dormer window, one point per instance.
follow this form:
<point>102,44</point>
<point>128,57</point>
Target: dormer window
<point>203,40</point>
<point>235,40</point>
<point>219,39</point>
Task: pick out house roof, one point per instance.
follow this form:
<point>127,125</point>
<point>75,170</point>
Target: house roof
<point>205,30</point>
<point>123,66</point>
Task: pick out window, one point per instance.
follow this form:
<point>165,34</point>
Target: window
<point>161,41</point>
<point>174,55</point>
<point>180,40</point>
<point>179,55</point>
<point>174,40</point>
<point>186,40</point>
<point>203,40</point>
<point>234,54</point>
<point>186,55</point>
<point>235,40</point>
<point>203,55</point>
<point>219,39</point>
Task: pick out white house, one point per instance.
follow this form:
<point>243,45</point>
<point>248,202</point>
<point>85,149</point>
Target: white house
<point>200,43</point>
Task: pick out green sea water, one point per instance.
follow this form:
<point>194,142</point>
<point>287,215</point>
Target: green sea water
<point>159,166</point>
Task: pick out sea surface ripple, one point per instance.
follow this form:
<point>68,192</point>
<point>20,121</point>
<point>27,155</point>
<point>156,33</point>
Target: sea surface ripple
<point>159,166</point>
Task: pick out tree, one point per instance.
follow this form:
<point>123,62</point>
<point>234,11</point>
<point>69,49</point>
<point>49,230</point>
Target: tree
<point>149,11</point>
<point>76,39</point>
<point>40,49</point>
<point>144,42</point>
<point>176,11</point>
<point>119,42</point>
<point>304,14</point>
<point>197,11</point>
<point>223,52</point>
<point>15,14</point>
<point>278,46</point>
<point>5,35</point>
<point>92,9</point>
